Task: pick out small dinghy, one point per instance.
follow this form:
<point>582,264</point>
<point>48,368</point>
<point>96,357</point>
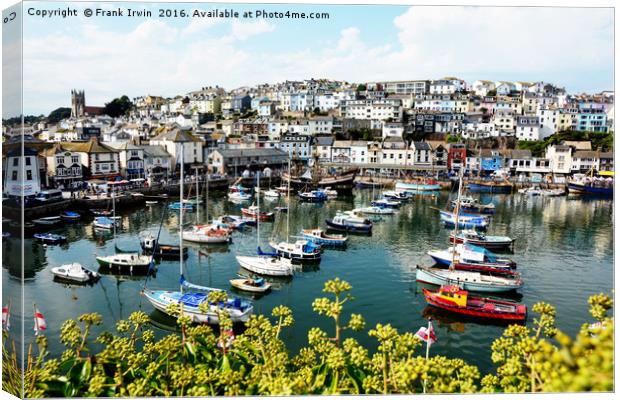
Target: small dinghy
<point>104,223</point>
<point>50,238</point>
<point>47,220</point>
<point>70,216</point>
<point>258,285</point>
<point>254,213</point>
<point>385,203</point>
<point>314,196</point>
<point>177,206</point>
<point>75,272</point>
<point>398,196</point>
<point>271,193</point>
<point>374,210</point>
<point>99,212</point>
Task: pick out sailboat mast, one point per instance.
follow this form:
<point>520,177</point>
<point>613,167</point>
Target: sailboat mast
<point>456,219</point>
<point>114,213</point>
<point>288,199</point>
<point>197,197</point>
<point>257,209</point>
<point>181,218</point>
<point>207,194</point>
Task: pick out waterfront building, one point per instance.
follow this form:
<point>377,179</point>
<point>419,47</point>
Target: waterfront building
<point>22,169</point>
<point>560,158</point>
<point>234,161</point>
<point>395,151</point>
<point>297,146</point>
<point>63,166</point>
<point>157,163</point>
<point>422,154</point>
<point>171,140</point>
<point>359,152</point>
<point>98,160</point>
<point>606,161</point>
<point>131,159</point>
<point>457,156</point>
<point>584,161</point>
<point>341,151</point>
<point>323,147</point>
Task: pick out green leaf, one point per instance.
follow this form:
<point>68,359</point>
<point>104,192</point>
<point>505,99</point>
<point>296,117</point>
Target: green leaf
<point>86,370</point>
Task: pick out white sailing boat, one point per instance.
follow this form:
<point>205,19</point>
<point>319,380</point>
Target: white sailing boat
<point>265,263</point>
<point>239,310</point>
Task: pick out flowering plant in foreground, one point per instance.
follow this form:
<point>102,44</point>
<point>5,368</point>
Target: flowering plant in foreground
<point>202,362</point>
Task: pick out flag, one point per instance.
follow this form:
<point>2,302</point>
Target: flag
<point>39,321</point>
<point>6,324</point>
<point>427,334</point>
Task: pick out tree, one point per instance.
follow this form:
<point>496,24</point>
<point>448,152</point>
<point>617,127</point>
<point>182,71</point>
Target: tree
<point>59,114</point>
<point>117,107</point>
<point>361,87</point>
<point>492,92</point>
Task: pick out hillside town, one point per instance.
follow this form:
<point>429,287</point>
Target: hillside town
<point>393,128</point>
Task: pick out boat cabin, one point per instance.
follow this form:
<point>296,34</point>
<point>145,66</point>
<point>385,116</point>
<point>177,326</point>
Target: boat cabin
<point>454,294</point>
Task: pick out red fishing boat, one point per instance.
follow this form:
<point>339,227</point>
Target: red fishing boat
<point>455,299</point>
<point>254,213</point>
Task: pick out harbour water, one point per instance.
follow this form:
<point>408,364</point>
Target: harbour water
<point>564,251</point>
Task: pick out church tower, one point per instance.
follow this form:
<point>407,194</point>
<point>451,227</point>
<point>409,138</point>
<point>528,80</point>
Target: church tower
<point>78,102</point>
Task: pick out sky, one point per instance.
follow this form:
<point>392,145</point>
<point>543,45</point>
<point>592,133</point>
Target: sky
<point>112,56</point>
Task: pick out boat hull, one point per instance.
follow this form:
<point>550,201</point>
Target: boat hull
<point>263,266</point>
<point>519,313</point>
<point>161,299</point>
<point>590,190</point>
<point>341,183</point>
<point>349,227</point>
<point>426,275</point>
<point>489,188</point>
<point>492,245</point>
<point>416,187</point>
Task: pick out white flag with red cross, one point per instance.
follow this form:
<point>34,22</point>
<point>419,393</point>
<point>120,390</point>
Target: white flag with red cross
<point>427,334</point>
<point>39,321</point>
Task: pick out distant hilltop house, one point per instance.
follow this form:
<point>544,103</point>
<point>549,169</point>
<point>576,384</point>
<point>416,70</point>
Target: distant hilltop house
<point>79,108</point>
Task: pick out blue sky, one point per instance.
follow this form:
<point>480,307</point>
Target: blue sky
<point>108,57</point>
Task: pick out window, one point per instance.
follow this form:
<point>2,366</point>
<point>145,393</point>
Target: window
<point>14,177</point>
<point>28,175</point>
<point>60,160</point>
<point>75,159</point>
<point>15,161</point>
<point>27,160</point>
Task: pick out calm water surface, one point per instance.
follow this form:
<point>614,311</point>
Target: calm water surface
<point>564,251</point>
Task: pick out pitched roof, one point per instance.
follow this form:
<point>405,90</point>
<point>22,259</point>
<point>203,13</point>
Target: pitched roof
<point>155,151</point>
<point>177,135</point>
<point>585,154</point>
<point>421,146</point>
<point>92,146</point>
<point>324,140</point>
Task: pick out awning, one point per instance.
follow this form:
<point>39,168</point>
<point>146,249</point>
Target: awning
<point>606,173</point>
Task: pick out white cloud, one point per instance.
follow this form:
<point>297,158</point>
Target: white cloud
<point>199,25</point>
<point>245,30</point>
